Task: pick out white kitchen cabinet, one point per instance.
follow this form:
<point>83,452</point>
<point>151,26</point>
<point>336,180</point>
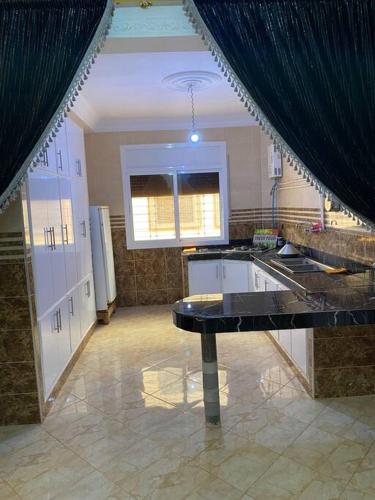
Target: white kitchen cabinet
<point>55,159</point>
<point>235,276</point>
<point>204,276</point>
<point>87,304</point>
<point>259,279</point>
<point>74,311</point>
<point>59,286</point>
<point>270,285</point>
<point>299,347</point>
<point>220,276</point>
<point>80,199</point>
<point>61,151</point>
<point>50,354</point>
<point>60,241</point>
<point>76,150</point>
<point>67,230</point>
<point>41,238</point>
<point>63,337</point>
<point>55,342</point>
<point>285,340</point>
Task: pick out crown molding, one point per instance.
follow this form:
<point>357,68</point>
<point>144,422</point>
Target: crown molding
<point>155,124</point>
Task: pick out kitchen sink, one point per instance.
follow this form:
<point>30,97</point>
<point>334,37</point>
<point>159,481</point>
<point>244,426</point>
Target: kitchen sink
<point>300,265</point>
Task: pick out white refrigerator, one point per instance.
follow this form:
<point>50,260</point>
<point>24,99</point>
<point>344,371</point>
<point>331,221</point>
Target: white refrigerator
<point>102,257</point>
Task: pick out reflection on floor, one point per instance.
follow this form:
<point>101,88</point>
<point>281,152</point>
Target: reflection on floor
<point>129,424</point>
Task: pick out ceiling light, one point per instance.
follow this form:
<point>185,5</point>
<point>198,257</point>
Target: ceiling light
<point>194,136</point>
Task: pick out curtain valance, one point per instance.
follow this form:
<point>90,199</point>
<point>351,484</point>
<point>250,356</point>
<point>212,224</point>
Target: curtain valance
<point>306,70</point>
<point>46,50</point>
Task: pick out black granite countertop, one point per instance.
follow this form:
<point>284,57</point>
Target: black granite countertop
<point>317,281</point>
<point>276,310</point>
<point>315,299</point>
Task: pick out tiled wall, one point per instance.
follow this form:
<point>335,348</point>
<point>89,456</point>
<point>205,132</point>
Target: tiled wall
<point>154,276</point>
<point>344,361</point>
<point>19,403</point>
<point>354,245</point>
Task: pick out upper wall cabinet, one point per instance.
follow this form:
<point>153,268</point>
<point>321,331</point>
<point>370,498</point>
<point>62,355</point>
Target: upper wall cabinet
<point>76,150</point>
<point>56,157</point>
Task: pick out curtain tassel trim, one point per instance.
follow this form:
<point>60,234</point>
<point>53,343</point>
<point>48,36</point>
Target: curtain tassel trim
<point>40,148</point>
<point>288,154</point>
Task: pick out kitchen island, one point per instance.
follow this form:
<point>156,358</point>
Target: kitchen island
<point>337,310</point>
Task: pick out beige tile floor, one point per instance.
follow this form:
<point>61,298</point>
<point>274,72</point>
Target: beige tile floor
<point>129,423</point>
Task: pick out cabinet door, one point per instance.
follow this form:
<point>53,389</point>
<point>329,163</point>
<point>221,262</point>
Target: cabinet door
<point>299,347</point>
<point>76,149</point>
<point>270,285</point>
<point>204,277</point>
<point>259,280</point>
<point>81,227</point>
<point>41,238</point>
<point>87,302</point>
<point>68,235</point>
<point>62,159</point>
<point>65,348</point>
<point>250,267</point>
<point>235,275</point>
<point>74,318</point>
<point>47,161</point>
<point>50,353</point>
<point>57,254</point>
<point>285,340</point>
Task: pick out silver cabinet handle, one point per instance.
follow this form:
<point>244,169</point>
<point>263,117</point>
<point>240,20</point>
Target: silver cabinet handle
<point>45,159</point>
<point>46,242</point>
<point>59,316</point>
<point>65,230</point>
<point>56,327</point>
<point>88,289</point>
<point>48,238</point>
<point>53,239</point>
<point>224,273</point>
<point>217,271</point>
<point>84,232</point>
<point>59,164</point>
<point>78,168</point>
<point>71,309</point>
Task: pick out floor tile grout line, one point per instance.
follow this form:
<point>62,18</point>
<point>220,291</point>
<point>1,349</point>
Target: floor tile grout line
<point>11,487</point>
<point>359,465</point>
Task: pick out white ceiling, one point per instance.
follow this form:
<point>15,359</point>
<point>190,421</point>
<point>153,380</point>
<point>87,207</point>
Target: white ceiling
<point>125,92</point>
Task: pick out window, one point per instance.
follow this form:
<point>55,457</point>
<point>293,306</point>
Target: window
<point>175,194</point>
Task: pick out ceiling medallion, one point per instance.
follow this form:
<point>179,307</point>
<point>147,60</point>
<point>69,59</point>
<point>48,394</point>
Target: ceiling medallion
<point>197,80</point>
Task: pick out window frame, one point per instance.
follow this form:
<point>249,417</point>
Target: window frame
<point>152,167</point>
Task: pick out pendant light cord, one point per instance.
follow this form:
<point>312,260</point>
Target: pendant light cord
<point>190,90</point>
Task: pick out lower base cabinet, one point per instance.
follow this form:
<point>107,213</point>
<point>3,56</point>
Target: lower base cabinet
<point>220,276</point>
<point>299,338</point>
<point>74,310</point>
<point>87,304</point>
<point>235,276</point>
<point>50,353</point>
<point>62,329</point>
<point>285,340</point>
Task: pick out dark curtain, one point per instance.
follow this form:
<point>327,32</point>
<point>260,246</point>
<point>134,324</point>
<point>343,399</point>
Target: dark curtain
<point>310,67</point>
<point>42,44</point>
